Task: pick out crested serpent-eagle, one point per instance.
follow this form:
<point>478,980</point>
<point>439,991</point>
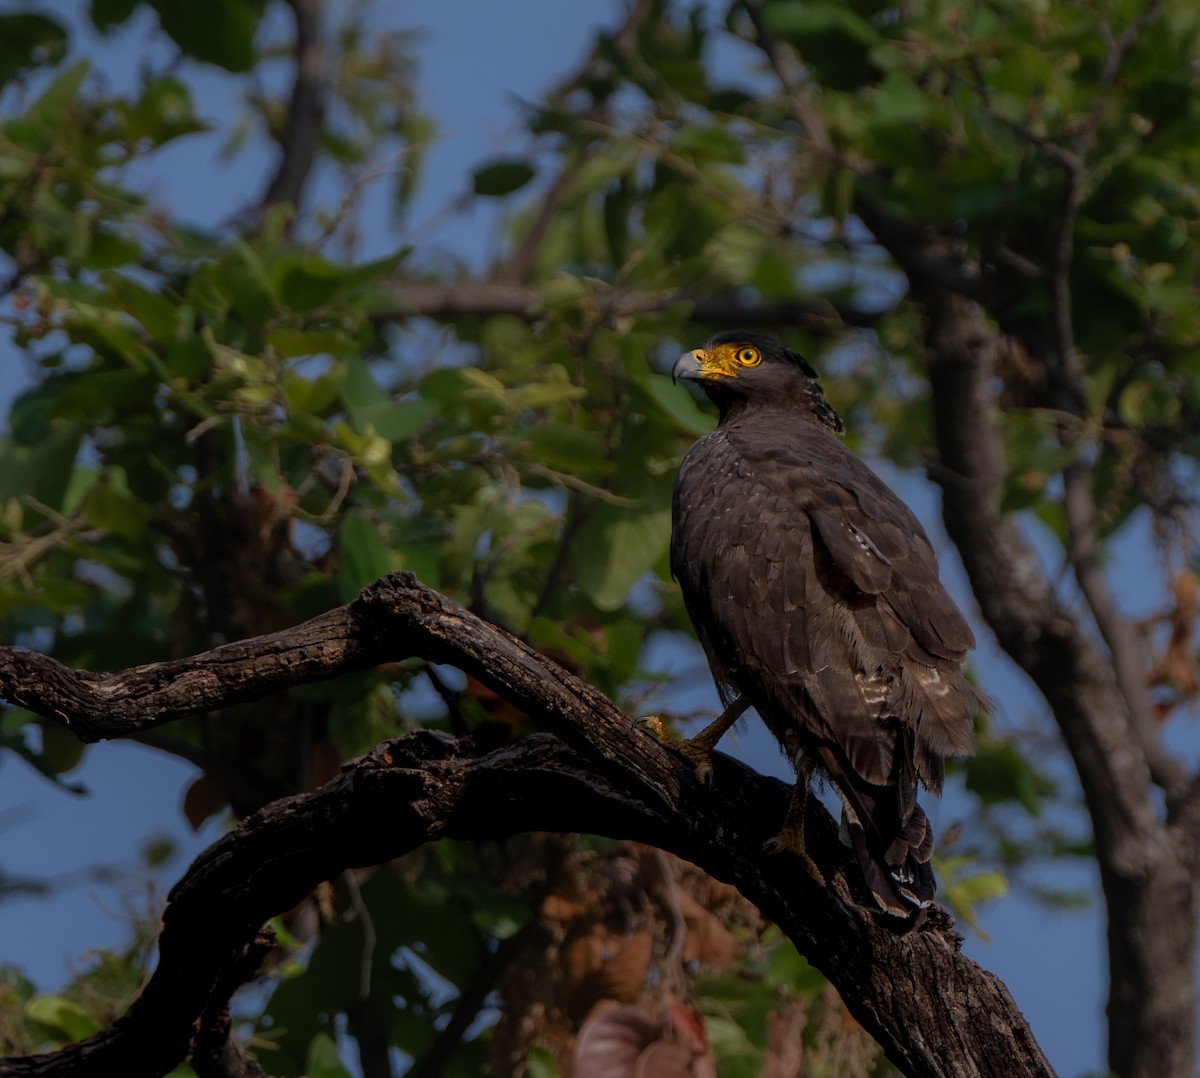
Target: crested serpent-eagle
<point>815,594</point>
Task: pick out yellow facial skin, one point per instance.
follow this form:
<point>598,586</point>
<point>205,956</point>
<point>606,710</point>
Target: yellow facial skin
<point>726,360</point>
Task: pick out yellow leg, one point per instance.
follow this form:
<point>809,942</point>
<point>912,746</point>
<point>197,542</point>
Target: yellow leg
<point>699,749</point>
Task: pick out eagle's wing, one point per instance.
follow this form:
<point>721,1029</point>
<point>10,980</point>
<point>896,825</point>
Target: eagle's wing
<point>815,592</point>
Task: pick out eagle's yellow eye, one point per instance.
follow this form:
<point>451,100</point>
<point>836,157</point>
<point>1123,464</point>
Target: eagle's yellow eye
<point>749,357</point>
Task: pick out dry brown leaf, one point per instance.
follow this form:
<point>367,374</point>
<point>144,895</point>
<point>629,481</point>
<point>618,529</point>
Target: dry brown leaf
<point>604,965</point>
<point>707,939</point>
<point>204,798</point>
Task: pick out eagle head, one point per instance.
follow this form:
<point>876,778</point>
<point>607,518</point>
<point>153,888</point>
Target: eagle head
<point>739,370</point>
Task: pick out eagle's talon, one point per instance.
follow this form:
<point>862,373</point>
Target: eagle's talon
<point>697,750</point>
<point>650,725</point>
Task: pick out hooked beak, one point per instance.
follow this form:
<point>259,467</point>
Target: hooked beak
<point>689,367</point>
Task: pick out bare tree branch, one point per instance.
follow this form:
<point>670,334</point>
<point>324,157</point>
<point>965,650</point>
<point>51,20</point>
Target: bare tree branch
<point>1129,662</point>
<point>306,109</point>
<point>934,1012</point>
<point>102,706</point>
<point>801,105</point>
<point>484,299</point>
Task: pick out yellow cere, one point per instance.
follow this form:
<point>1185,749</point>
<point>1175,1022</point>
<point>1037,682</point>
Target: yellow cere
<point>727,359</point>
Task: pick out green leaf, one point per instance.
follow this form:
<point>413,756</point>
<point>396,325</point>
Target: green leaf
<point>727,1038</point>
<point>57,1013</point>
<point>216,288</point>
<point>979,887</point>
<point>618,544</point>
<point>313,396</point>
<point>360,390</point>
<point>163,112</point>
<point>896,100</point>
<point>324,1060</point>
<point>502,177</point>
<point>49,110</point>
<point>114,509</point>
<point>366,556</point>
<point>499,916</point>
<point>105,393</point>
<point>678,405</point>
<point>307,281</point>
<point>394,420</point>
<point>289,343</point>
<point>709,142</point>
<point>465,394</point>
<point>997,773</point>
<point>379,269</point>
<point>42,471</point>
<point>189,358</point>
<point>371,407</point>
<point>540,1063</point>
<point>154,311</point>
<point>108,14</point>
<point>108,250</point>
<point>29,39</point>
<point>219,32</point>
<point>804,19</point>
<point>61,749</point>
<point>790,970</point>
<point>832,37</point>
<point>568,448</point>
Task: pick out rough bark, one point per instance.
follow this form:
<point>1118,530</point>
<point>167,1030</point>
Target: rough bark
<point>934,1011</point>
<point>1147,864</point>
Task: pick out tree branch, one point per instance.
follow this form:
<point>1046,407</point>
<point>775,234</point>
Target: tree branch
<point>1129,663</point>
<point>484,299</point>
<point>934,1012</point>
<point>97,707</point>
<point>1147,868</point>
<point>800,103</point>
<point>306,110</point>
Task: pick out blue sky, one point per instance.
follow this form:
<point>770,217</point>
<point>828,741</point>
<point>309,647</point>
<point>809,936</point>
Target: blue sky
<point>474,56</point>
